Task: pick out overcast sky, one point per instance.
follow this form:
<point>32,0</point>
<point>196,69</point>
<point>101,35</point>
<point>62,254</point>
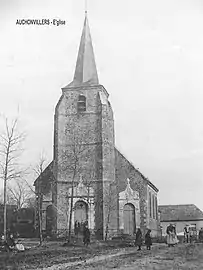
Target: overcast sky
<point>149,56</point>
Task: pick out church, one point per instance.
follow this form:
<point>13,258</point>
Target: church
<point>89,179</point>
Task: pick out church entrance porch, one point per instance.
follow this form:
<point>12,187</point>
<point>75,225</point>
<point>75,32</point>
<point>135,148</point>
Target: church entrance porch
<point>129,218</point>
<point>80,217</point>
<point>129,210</point>
<point>83,205</point>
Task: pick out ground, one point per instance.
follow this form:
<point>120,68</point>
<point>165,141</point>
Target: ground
<point>161,257</point>
<point>101,256</point>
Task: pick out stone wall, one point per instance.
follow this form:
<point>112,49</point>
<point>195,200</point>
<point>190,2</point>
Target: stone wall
<point>84,145</point>
<point>124,170</point>
<point>110,189</point>
<point>152,213</point>
<point>87,137</point>
<point>44,187</point>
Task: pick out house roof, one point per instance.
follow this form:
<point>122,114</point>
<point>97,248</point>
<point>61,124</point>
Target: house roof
<point>184,212</point>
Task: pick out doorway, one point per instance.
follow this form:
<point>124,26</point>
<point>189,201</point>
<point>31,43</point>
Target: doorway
<point>129,219</point>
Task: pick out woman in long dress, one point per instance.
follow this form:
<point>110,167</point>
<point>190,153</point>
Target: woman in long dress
<point>171,235</point>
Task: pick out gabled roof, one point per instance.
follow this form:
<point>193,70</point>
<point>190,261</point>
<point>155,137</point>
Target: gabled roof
<point>85,70</point>
<point>45,178</point>
<point>143,177</point>
<point>184,212</point>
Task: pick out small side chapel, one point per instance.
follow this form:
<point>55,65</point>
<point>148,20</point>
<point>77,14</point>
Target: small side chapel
<point>108,192</point>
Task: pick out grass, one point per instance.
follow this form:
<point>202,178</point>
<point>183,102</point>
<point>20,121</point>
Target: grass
<point>52,253</point>
<point>55,253</point>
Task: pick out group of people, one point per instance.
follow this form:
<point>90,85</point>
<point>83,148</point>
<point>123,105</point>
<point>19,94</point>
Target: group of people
<point>10,244</point>
<point>192,235</point>
<point>171,238</point>
<point>139,239</point>
<point>81,228</point>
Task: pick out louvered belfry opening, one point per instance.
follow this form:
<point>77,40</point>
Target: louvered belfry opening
<point>81,103</point>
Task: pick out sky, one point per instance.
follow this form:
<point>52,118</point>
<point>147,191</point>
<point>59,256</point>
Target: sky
<point>149,57</point>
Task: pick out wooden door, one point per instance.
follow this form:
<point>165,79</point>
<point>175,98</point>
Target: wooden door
<point>129,219</point>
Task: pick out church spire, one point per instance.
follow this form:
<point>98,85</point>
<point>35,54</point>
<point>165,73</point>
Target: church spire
<point>85,70</point>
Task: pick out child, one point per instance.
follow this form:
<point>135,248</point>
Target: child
<point>148,240</point>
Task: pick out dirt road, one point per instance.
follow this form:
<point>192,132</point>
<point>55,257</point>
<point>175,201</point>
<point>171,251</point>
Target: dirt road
<point>54,256</point>
<point>182,257</point>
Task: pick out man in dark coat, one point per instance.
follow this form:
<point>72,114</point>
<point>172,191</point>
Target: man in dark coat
<point>76,228</point>
<point>148,240</point>
<point>86,236</point>
<point>201,235</point>
<point>138,239</point>
<point>186,234</point>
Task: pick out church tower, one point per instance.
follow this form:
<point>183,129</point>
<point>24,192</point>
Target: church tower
<point>84,150</point>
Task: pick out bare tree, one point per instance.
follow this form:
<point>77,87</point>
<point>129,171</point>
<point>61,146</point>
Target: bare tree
<point>10,150</point>
<point>1,196</point>
<point>9,200</point>
<point>71,164</point>
<point>38,170</point>
<point>36,202</point>
<point>19,194</point>
<point>31,201</point>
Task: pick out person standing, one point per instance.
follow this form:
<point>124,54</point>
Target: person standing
<point>76,228</point>
<point>86,236</point>
<point>201,235</point>
<point>148,239</point>
<point>169,239</point>
<point>186,234</point>
<point>138,239</point>
<point>175,239</point>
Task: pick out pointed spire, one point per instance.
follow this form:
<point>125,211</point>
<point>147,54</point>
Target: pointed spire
<point>85,71</point>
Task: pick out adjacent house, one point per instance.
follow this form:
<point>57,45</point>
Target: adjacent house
<point>180,215</point>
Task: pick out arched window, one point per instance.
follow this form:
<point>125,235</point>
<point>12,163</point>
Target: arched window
<point>156,207</point>
<point>153,201</point>
<point>81,103</point>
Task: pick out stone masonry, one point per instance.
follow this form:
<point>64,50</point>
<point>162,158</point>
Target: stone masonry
<point>86,165</point>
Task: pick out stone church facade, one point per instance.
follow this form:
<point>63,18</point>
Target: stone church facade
<point>88,173</point>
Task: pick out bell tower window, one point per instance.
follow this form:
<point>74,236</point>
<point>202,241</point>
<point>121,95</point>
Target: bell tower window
<point>81,103</point>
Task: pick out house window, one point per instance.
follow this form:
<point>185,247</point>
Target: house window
<point>81,103</point>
